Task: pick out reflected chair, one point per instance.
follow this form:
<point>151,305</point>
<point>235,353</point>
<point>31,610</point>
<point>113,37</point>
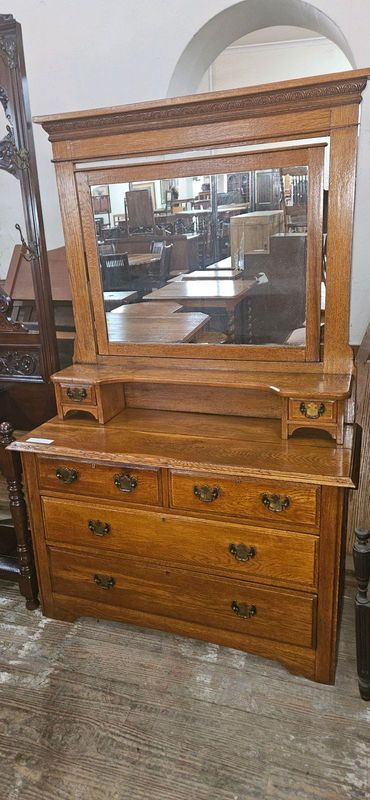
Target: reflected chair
<point>163,273</point>
<point>157,247</point>
<point>115,272</point>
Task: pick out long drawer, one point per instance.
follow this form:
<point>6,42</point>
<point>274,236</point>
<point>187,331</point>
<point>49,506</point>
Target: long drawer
<point>248,552</point>
<point>162,591</point>
<point>266,500</point>
<point>125,484</point>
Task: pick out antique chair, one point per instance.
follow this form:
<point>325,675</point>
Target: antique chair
<point>115,271</point>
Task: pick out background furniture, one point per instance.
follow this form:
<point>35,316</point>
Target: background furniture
<point>16,559</point>
<point>361,558</point>
<point>191,506</point>
<point>26,361</point>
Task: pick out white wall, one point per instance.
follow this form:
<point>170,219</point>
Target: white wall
<point>88,54</point>
<point>248,63</point>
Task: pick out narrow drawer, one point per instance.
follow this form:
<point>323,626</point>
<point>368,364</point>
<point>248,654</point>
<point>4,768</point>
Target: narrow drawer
<point>312,410</point>
<point>165,592</point>
<point>79,395</point>
<point>127,484</point>
<point>270,501</point>
<point>246,552</point>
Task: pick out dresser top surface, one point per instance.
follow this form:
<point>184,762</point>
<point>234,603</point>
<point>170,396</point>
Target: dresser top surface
<point>204,442</point>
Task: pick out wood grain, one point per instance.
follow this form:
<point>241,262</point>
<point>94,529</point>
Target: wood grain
<point>109,705</point>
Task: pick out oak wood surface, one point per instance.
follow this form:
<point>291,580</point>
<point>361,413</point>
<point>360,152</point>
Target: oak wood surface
<point>287,558</point>
<point>239,446</point>
<point>95,480</point>
<point>164,591</point>
<point>244,498</point>
<point>286,384</point>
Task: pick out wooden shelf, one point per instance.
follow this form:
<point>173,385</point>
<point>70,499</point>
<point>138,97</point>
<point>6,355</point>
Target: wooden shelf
<point>286,384</point>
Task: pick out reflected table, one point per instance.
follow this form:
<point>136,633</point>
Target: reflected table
<point>171,328</point>
<point>207,294</point>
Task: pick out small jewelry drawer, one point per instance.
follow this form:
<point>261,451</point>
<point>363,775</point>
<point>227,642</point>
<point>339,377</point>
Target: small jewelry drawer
<point>124,483</point>
<point>312,410</point>
<point>237,550</point>
<point>79,395</point>
<point>161,591</point>
<point>270,501</point>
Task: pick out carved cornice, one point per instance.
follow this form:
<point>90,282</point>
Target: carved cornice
<point>15,362</point>
<point>203,109</point>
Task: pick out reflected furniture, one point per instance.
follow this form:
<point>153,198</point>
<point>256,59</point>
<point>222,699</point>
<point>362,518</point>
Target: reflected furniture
<point>250,232</point>
<point>223,295</point>
<point>192,506</point>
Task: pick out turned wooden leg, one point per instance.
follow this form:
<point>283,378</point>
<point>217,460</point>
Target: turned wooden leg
<point>13,474</point>
<point>361,557</point>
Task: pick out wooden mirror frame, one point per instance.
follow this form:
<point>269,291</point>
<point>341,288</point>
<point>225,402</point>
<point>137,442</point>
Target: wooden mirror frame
<point>313,157</point>
<point>324,106</point>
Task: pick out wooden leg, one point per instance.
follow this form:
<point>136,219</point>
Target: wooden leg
<point>361,557</point>
<point>11,467</point>
<point>230,316</point>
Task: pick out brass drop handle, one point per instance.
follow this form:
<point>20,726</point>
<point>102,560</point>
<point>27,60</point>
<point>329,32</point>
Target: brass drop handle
<point>206,494</point>
<point>242,552</point>
<point>76,395</point>
<point>125,483</point>
<point>274,502</point>
<point>67,474</point>
<point>312,410</point>
<point>98,528</point>
<point>104,581</point>
<point>243,610</point>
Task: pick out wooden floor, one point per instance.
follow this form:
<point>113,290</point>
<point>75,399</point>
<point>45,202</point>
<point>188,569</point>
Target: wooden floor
<point>96,709</point>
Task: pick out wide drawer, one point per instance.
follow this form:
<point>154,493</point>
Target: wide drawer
<point>165,592</point>
<point>127,484</point>
<point>247,552</point>
<point>270,501</point>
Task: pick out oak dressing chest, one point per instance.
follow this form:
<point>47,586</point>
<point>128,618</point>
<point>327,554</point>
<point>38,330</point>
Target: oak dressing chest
<point>198,484</point>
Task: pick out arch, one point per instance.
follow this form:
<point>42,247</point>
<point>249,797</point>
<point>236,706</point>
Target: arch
<point>238,20</point>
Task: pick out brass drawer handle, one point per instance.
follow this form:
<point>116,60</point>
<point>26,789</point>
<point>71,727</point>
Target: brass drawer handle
<point>104,581</point>
<point>241,552</point>
<point>243,610</point>
<point>76,395</point>
<point>312,410</point>
<point>274,502</point>
<point>125,483</point>
<point>206,494</point>
<point>67,474</point>
<point>98,528</point>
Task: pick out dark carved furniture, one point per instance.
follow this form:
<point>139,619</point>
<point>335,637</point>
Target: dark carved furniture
<point>192,506</point>
<point>361,558</point>
<point>17,562</point>
<point>26,361</point>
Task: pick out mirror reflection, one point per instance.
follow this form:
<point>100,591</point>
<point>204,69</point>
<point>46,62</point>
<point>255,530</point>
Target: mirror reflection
<point>205,259</point>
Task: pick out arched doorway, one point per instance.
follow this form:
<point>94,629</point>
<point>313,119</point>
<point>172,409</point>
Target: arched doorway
<point>239,20</point>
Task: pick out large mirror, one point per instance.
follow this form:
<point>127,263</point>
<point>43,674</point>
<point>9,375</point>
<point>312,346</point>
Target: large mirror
<point>221,257</point>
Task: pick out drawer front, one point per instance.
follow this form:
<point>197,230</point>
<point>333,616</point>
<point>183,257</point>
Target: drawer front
<point>165,592</point>
<point>245,552</point>
<point>270,501</point>
<point>126,484</point>
<point>312,410</point>
<point>78,395</point>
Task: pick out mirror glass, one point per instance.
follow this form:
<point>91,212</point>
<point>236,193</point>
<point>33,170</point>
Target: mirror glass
<point>205,259</point>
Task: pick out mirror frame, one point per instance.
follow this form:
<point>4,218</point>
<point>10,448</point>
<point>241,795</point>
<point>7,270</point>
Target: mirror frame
<point>311,156</point>
<point>314,107</point>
